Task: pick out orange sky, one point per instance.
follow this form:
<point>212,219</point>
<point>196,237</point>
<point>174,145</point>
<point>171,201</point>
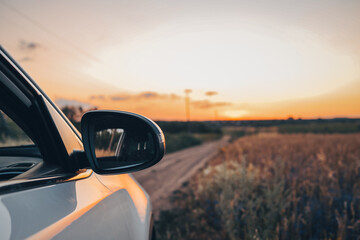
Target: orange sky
<point>242,59</point>
<point>344,102</point>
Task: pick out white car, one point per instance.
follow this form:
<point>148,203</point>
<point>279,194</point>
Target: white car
<point>58,184</point>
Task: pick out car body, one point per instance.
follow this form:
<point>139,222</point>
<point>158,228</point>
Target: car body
<point>49,189</point>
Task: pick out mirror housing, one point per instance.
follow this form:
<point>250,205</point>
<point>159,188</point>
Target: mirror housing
<point>121,142</point>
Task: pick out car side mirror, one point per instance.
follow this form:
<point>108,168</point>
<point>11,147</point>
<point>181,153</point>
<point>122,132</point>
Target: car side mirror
<point>121,142</point>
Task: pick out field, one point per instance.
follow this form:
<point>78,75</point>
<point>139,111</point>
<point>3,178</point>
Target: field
<point>272,186</point>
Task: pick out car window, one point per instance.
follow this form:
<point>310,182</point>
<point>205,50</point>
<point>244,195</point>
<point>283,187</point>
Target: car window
<point>11,134</point>
<point>16,150</point>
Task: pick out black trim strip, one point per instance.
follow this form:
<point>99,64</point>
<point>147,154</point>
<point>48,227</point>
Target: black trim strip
<point>15,90</point>
<point>21,151</point>
<point>10,186</point>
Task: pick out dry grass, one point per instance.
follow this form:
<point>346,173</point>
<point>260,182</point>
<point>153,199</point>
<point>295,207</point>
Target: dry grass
<point>271,186</point>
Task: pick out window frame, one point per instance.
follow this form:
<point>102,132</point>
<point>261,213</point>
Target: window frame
<point>21,99</point>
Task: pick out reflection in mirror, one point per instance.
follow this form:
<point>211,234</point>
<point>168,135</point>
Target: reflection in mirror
<point>107,142</point>
<point>117,147</point>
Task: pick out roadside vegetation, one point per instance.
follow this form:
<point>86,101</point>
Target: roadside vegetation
<point>272,186</point>
<point>11,134</point>
<point>180,135</point>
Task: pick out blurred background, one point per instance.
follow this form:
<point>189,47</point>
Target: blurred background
<point>274,85</point>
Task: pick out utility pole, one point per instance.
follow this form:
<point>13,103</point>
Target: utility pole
<point>187,107</point>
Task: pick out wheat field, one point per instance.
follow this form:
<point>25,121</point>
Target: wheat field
<point>272,186</point>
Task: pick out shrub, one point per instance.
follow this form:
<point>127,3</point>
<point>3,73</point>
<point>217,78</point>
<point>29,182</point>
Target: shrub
<point>175,142</point>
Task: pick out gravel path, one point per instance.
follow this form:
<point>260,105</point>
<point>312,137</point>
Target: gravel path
<point>174,169</point>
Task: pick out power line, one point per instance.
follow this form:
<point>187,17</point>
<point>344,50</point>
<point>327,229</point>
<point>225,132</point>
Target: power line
<point>66,42</point>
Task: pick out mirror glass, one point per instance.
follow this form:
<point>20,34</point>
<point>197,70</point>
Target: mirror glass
<point>117,147</point>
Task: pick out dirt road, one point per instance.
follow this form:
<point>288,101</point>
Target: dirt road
<point>176,168</point>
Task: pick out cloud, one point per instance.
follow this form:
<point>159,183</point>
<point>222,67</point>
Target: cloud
<point>141,96</point>
<point>211,93</point>
<point>28,46</point>
<point>155,95</point>
<point>97,97</point>
<point>145,97</point>
<point>25,59</point>
<point>188,91</point>
<point>149,95</point>
<point>118,98</point>
<point>205,104</point>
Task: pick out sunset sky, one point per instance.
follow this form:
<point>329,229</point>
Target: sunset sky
<point>241,59</point>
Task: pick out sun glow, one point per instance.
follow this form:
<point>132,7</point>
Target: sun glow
<point>235,114</point>
<point>247,65</point>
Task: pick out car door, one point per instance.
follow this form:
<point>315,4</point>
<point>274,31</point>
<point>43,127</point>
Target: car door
<point>51,199</point>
